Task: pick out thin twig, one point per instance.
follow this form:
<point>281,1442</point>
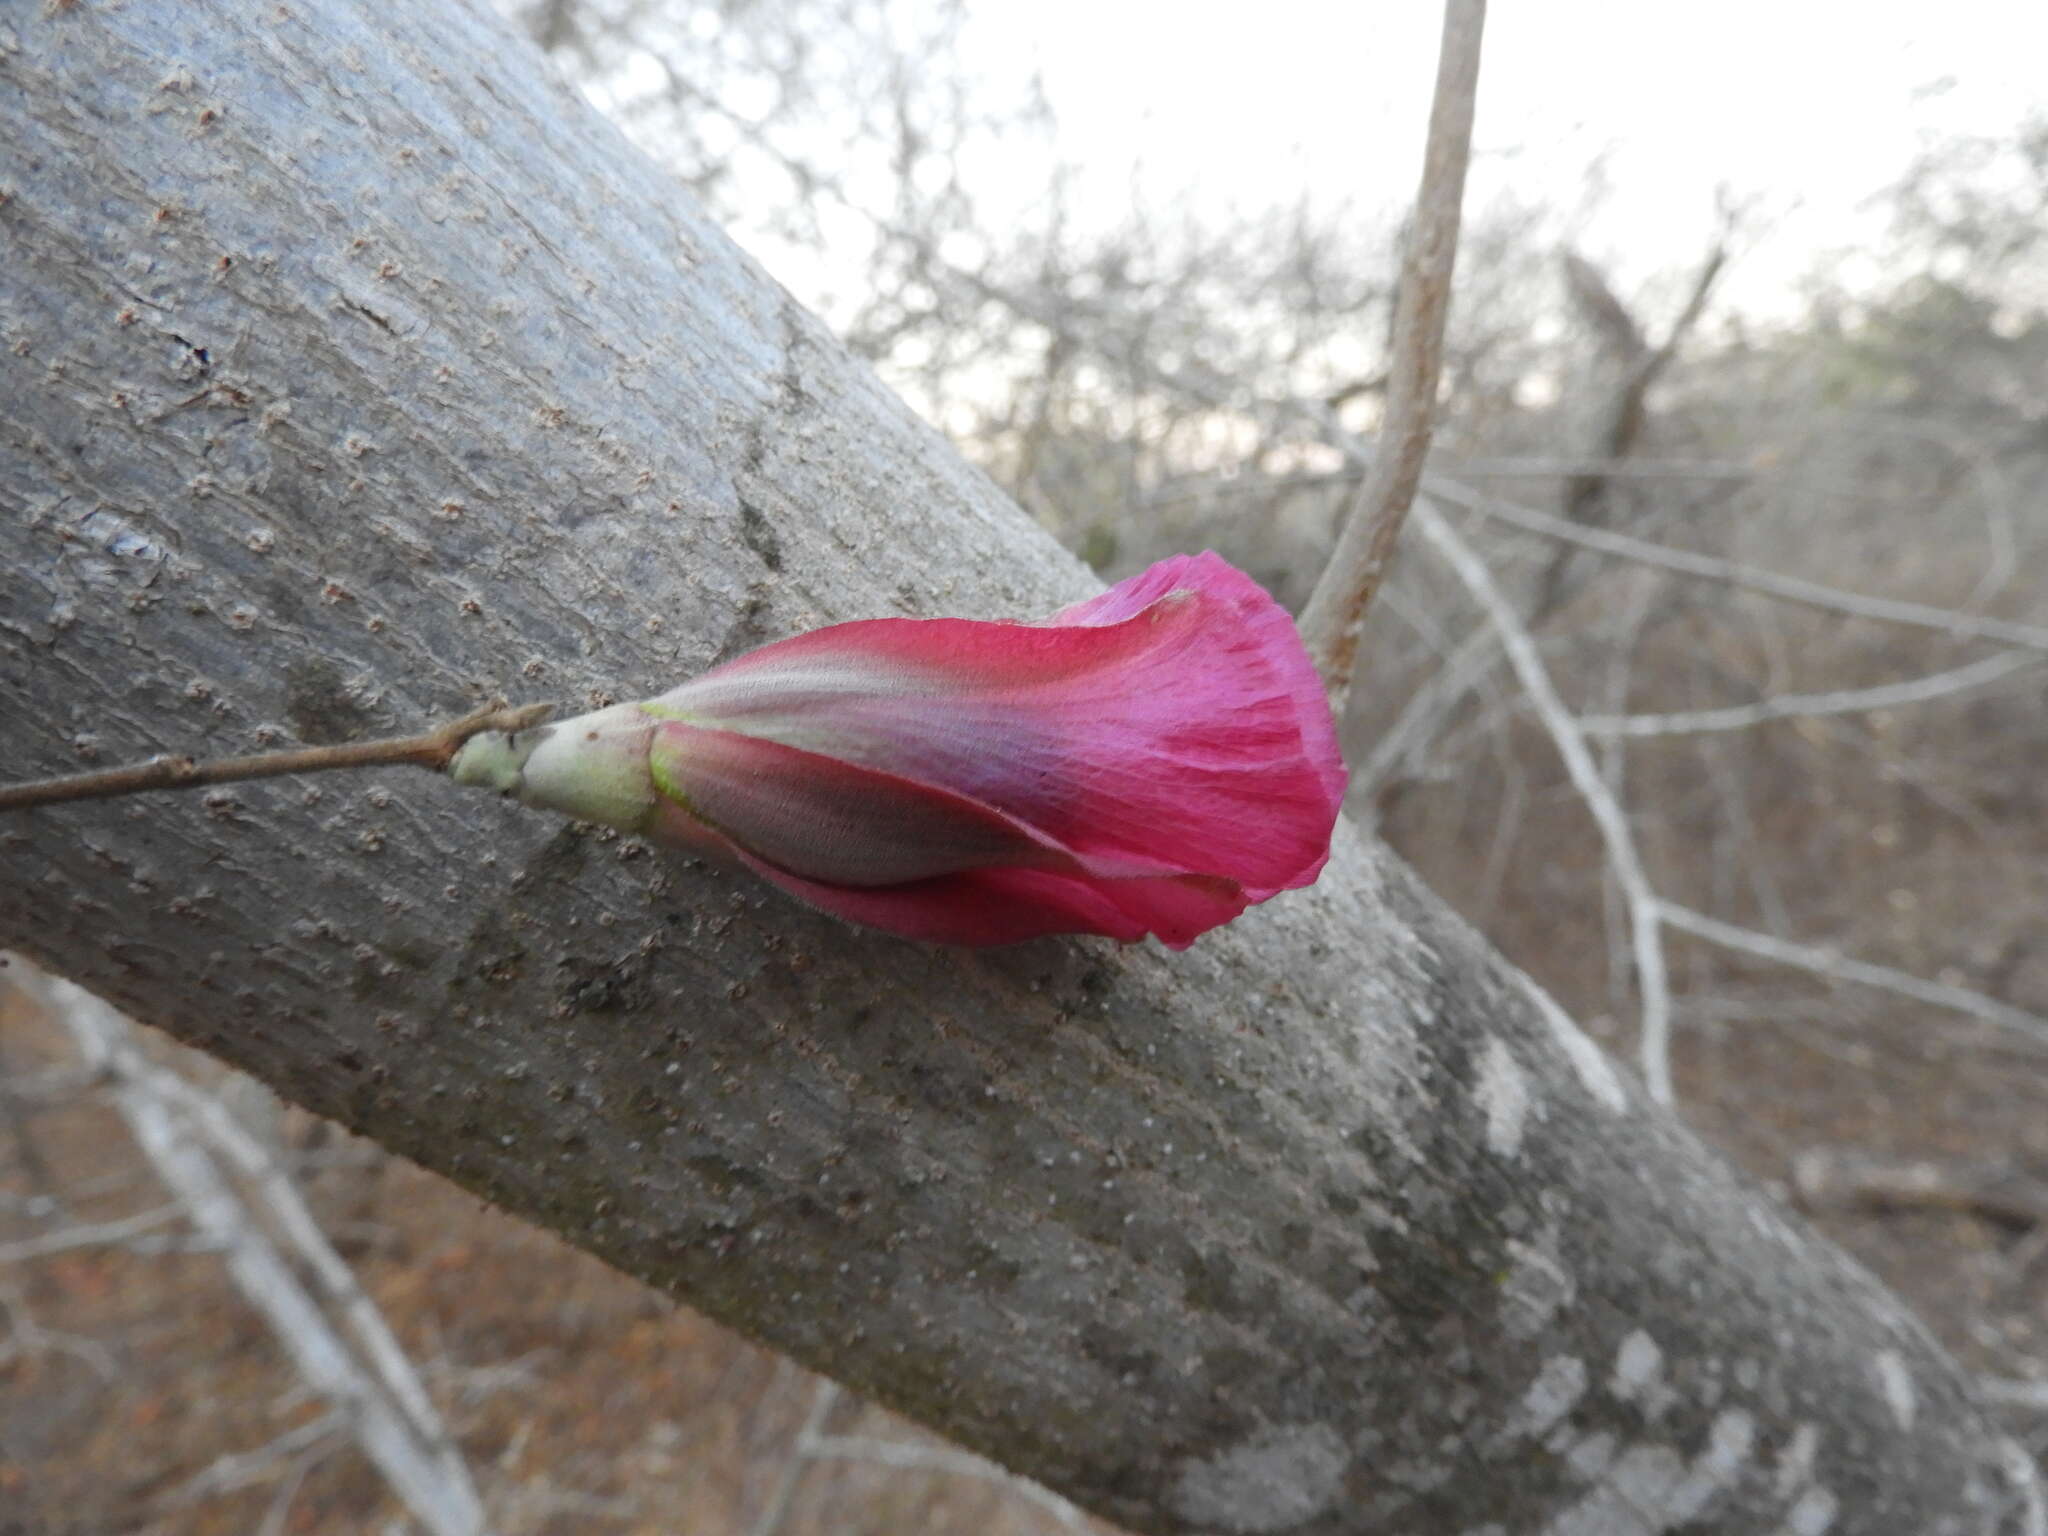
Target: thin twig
<point>1336,611</point>
<point>431,750</point>
<point>1827,1178</point>
<point>1786,706</point>
<point>308,1244</point>
<point>1643,905</point>
<point>1620,418</point>
<point>1825,962</point>
<point>121,1232</point>
<point>1844,701</point>
<point>930,1458</point>
<point>2014,1394</point>
<point>287,1493</point>
<point>1793,589</point>
<point>1630,617</point>
<point>238,1469</point>
<point>2024,1475</point>
<point>26,1338</point>
<point>1416,726</point>
<point>823,1396</point>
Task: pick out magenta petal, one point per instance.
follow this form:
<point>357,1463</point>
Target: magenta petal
<point>838,822</point>
<point>1006,906</point>
<point>1207,572</point>
<point>917,861</point>
<point>1179,909</point>
<point>1264,620</point>
<point>1172,726</point>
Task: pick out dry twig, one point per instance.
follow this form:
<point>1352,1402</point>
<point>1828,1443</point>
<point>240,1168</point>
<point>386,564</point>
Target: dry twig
<point>1786,706</point>
<point>1791,589</point>
<point>122,1232</point>
<point>1825,962</point>
<point>1998,1192</point>
<point>1621,416</point>
<point>2030,1395</point>
<point>813,1444</point>
<point>432,750</point>
<point>1634,883</point>
<point>1404,741</point>
<point>1336,611</point>
<point>933,1458</point>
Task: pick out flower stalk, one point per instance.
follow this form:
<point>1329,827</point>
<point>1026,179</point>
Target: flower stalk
<point>434,749</point>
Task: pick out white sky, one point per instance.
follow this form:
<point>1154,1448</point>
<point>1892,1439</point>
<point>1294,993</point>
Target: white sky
<point>1809,105</point>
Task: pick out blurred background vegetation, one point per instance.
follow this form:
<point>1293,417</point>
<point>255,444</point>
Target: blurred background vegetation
<point>1857,878</point>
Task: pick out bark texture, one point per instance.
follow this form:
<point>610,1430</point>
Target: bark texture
<point>354,369</point>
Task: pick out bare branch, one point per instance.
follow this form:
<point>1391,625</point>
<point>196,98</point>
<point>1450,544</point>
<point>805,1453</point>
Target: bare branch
<point>26,1338</point>
<point>421,1466</point>
<point>1695,304</point>
<point>296,1224</point>
<point>238,1469</point>
<point>120,1232</point>
<point>2015,1394</point>
<point>1642,901</point>
<point>1405,739</point>
<point>823,1396</point>
<point>1825,962</point>
<point>813,1444</point>
<point>1753,578</point>
<point>1618,423</point>
<point>2030,1490</point>
<point>1997,1191</point>
<point>1594,298</point>
<point>1336,611</point>
<point>1785,706</point>
<point>933,1458</point>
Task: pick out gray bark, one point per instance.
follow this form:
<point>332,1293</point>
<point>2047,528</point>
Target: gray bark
<point>354,369</point>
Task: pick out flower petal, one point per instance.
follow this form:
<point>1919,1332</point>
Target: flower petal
<point>1254,608</point>
<point>1171,726</point>
<point>1006,906</point>
<point>834,821</point>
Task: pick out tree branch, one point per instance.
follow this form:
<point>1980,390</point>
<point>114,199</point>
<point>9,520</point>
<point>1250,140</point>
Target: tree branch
<point>1793,589</point>
<point>1643,907</point>
<point>1826,962</point>
<point>1372,526</point>
<point>1619,419</point>
<point>387,1410</point>
<point>1789,706</point>
<point>1996,1191</point>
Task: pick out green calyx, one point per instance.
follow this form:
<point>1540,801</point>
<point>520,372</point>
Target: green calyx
<point>593,767</point>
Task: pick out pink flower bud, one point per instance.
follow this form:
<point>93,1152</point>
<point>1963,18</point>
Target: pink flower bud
<point>1153,760</point>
